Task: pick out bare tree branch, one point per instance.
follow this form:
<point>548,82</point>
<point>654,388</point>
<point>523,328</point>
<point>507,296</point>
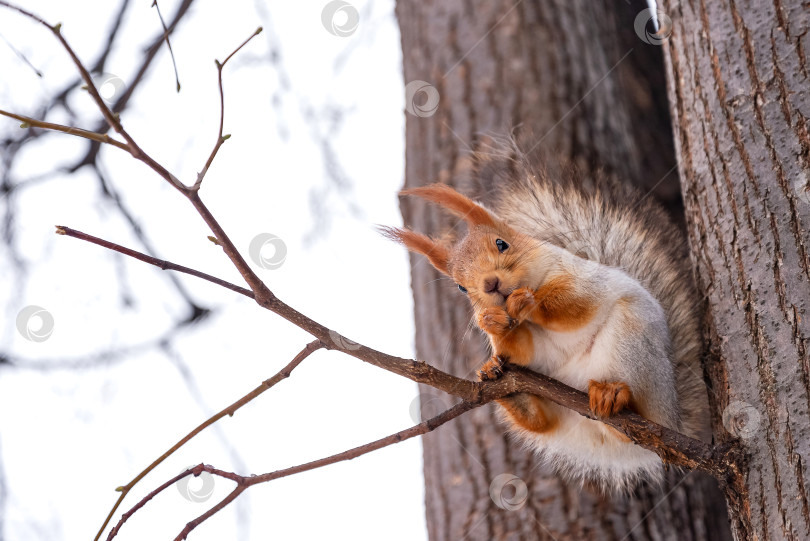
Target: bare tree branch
<point>245,482</point>
<point>29,122</point>
<point>168,43</point>
<point>111,118</point>
<point>673,447</point>
<point>195,471</point>
<point>229,411</point>
<point>220,137</point>
<point>262,294</point>
<point>160,263</point>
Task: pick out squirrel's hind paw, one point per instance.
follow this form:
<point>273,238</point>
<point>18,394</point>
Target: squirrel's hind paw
<point>492,369</point>
<point>608,398</point>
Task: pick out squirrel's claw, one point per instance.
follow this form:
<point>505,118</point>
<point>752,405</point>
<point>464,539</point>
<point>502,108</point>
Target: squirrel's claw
<point>492,369</point>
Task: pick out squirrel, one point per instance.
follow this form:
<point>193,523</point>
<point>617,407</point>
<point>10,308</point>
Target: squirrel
<point>620,324</point>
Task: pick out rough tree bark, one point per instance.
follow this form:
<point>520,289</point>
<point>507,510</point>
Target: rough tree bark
<point>575,75</point>
<point>738,86</point>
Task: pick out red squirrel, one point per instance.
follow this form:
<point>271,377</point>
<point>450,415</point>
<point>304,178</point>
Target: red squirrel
<point>621,324</point>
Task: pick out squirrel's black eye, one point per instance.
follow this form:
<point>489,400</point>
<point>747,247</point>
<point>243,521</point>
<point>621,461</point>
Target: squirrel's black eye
<point>462,288</point>
<point>502,245</point>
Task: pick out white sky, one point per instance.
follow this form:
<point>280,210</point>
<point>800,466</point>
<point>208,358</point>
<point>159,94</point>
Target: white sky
<point>69,437</point>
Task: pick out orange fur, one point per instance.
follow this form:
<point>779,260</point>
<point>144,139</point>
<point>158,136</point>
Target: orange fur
<point>529,412</point>
<point>436,252</point>
<point>514,344</point>
<point>494,321</point>
<point>608,398</point>
<point>517,345</point>
<point>510,341</point>
<point>446,197</point>
<point>556,305</point>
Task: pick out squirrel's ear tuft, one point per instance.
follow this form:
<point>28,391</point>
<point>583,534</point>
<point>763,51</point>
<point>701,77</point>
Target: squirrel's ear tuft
<point>436,252</point>
<point>459,205</point>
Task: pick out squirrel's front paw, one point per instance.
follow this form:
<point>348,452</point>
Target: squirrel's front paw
<point>520,303</point>
<point>494,321</point>
<point>492,369</point>
<point>608,398</point>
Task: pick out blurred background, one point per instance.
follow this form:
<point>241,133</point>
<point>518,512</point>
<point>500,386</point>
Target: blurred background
<point>105,362</point>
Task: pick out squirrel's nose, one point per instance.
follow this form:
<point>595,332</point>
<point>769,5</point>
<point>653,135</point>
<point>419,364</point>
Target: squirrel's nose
<point>491,284</point>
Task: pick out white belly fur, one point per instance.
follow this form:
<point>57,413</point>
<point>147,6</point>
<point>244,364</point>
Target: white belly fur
<point>580,448</point>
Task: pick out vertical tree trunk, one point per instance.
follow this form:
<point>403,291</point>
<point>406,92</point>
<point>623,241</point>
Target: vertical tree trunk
<point>575,76</point>
<point>738,88</point>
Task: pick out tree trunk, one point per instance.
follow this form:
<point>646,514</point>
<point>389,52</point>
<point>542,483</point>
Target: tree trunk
<point>573,77</point>
<point>738,88</point>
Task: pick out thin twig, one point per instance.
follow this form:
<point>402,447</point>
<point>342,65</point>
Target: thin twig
<point>21,56</point>
<point>229,411</point>
<point>195,471</point>
<point>160,263</point>
<point>29,122</point>
<point>417,430</point>
<point>111,118</point>
<point>168,43</point>
<point>220,137</point>
<point>211,512</point>
<point>244,482</point>
<point>262,294</point>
